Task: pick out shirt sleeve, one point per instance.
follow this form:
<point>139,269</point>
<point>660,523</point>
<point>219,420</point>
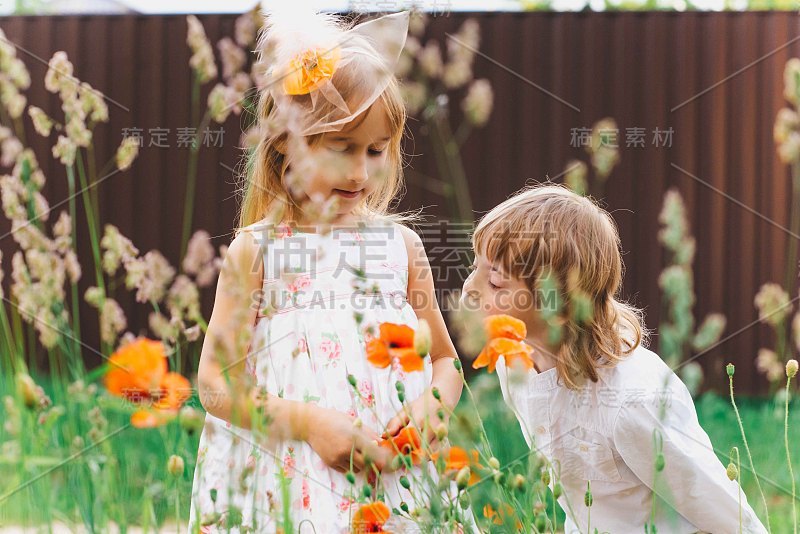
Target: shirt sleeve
<point>693,481</point>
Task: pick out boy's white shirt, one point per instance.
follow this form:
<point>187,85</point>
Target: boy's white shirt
<point>604,433</point>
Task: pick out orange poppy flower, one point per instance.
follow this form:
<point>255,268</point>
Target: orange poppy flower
<point>395,343</point>
<point>407,441</point>
<point>505,335</point>
<point>505,326</point>
<point>457,459</point>
<point>136,369</point>
<point>307,71</point>
<point>370,517</point>
<point>138,373</point>
<point>505,513</point>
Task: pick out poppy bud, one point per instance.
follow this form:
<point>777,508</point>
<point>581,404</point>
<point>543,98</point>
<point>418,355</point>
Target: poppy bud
<point>405,482</point>
<point>791,368</point>
<point>175,465</point>
<point>660,462</point>
<point>400,387</point>
<point>441,431</point>
<point>587,498</point>
<point>546,477</point>
<point>494,463</point>
<point>519,482</point>
<point>732,471</point>
<point>28,390</point>
<point>352,380</point>
<point>436,394</point>
<point>404,506</point>
<point>422,338</point>
<point>462,478</point>
<point>457,364</point>
<point>366,491</point>
<point>351,477</point>
<point>730,369</point>
<point>558,490</point>
<point>464,501</point>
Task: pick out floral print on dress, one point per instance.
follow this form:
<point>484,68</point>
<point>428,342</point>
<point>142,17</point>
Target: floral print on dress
<point>304,351</point>
<point>330,348</point>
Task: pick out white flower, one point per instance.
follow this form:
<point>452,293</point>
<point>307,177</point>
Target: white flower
<point>430,60</point>
<point>93,103</point>
<point>233,58</point>
<point>11,148</point>
<point>477,105</point>
<point>219,103</point>
<point>772,303</point>
<point>112,321</point>
<point>59,77</point>
<point>202,60</point>
<point>127,152</point>
<point>41,122</point>
<point>150,275</point>
<point>791,74</point>
<point>65,150</point>
<point>117,249</point>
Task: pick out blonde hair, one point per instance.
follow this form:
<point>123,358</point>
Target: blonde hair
<point>263,188</point>
<point>550,230</point>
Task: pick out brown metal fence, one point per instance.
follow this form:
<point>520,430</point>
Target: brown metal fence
<point>715,79</point>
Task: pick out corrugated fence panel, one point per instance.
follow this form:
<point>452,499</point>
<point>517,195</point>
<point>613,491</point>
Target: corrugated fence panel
<point>714,78</point>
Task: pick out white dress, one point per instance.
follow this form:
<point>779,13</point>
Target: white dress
<point>320,293</point>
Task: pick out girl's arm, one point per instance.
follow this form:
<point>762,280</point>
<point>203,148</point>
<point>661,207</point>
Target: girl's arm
<point>693,480</point>
<point>445,378</point>
<point>227,392</point>
<point>224,388</point>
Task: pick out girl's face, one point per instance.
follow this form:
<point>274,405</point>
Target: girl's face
<point>350,163</point>
<point>491,291</point>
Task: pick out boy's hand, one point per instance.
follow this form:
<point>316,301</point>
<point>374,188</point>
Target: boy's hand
<point>424,414</point>
<point>334,437</point>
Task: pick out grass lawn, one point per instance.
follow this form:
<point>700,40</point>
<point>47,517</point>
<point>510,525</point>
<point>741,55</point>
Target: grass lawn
<point>124,478</point>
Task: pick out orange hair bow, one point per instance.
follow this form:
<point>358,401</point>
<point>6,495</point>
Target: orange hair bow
<point>309,69</point>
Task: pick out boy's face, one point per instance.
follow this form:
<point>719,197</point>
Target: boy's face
<point>350,163</point>
<point>491,291</point>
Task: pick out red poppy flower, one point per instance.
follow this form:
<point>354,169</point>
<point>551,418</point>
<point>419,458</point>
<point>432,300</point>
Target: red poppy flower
<point>505,335</point>
<point>408,442</point>
<point>370,517</point>
<point>395,343</point>
<point>457,458</point>
<point>138,372</point>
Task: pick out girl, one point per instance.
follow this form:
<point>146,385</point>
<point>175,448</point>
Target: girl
<point>605,411</point>
<point>316,266</point>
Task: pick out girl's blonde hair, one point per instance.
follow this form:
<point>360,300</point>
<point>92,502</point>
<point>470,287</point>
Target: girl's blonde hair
<point>550,230</point>
<point>263,190</point>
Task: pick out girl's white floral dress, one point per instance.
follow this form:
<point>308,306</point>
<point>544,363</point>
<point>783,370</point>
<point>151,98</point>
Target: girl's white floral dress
<point>321,292</point>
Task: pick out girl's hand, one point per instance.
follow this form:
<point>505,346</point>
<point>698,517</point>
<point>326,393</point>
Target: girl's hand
<point>334,437</point>
<point>422,413</point>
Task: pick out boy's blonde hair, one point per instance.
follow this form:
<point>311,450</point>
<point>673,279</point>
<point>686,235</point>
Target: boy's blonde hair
<point>549,229</point>
<point>263,190</point>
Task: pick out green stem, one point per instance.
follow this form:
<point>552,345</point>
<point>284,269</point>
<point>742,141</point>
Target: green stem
<point>749,456</point>
<point>191,176</point>
<point>93,232</point>
<point>7,336</point>
<point>73,214</point>
<point>788,455</point>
